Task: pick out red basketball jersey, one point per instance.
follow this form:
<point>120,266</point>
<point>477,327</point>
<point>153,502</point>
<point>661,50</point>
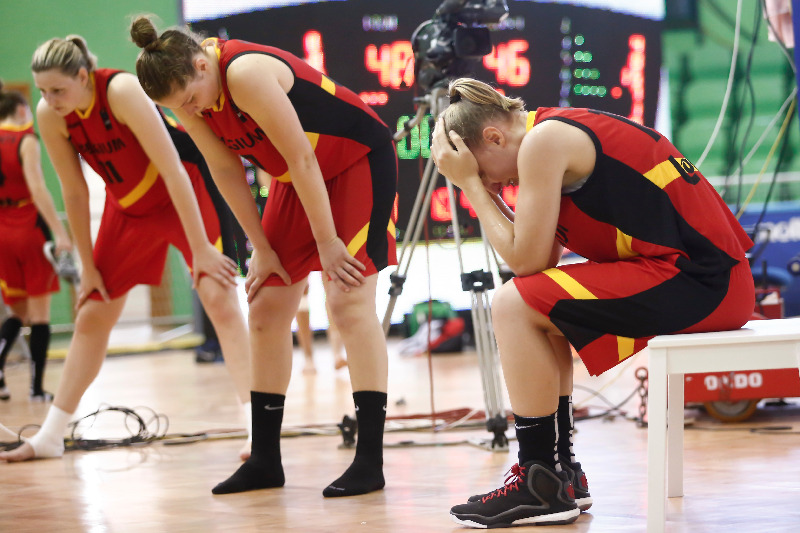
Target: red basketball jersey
<point>132,181</point>
<point>340,127</point>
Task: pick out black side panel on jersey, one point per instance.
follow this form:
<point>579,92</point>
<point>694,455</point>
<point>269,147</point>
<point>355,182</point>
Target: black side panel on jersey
<point>322,112</point>
<point>638,207</point>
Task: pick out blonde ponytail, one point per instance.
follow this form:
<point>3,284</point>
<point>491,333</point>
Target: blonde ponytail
<point>473,104</point>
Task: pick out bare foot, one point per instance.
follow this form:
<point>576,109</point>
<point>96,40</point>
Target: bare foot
<point>340,362</point>
<point>309,369</point>
<point>23,453</point>
<point>244,453</point>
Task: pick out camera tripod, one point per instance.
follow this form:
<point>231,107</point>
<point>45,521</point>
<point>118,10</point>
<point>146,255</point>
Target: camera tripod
<point>477,283</point>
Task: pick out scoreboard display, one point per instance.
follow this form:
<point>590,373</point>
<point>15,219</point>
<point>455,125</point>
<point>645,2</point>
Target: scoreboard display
<point>548,53</point>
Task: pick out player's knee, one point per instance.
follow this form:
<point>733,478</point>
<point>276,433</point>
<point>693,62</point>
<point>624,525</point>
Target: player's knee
<point>507,303</point>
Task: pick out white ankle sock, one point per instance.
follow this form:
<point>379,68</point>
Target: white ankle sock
<point>49,441</point>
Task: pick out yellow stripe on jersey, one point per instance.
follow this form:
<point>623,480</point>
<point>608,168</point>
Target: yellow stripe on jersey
<point>530,120</point>
<point>624,347</point>
<point>328,84</point>
<point>12,292</point>
<point>313,138</point>
<point>569,284</point>
<point>12,127</point>
<point>220,103</point>
<point>662,174</point>
<point>358,241</point>
<point>83,115</point>
<point>137,192</point>
<point>624,247</point>
<point>391,228</point>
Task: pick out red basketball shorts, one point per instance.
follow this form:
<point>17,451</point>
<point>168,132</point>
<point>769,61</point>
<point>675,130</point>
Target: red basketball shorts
<point>361,199</point>
<point>132,250</point>
<point>608,311</point>
<point>24,270</point>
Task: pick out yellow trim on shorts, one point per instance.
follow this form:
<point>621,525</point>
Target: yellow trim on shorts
<point>624,347</point>
<point>569,284</point>
<point>12,292</point>
<point>150,176</point>
<point>358,241</point>
<point>391,228</point>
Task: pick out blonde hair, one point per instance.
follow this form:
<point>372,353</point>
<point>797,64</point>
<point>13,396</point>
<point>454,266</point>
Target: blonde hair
<point>67,55</point>
<point>166,62</point>
<point>474,104</point>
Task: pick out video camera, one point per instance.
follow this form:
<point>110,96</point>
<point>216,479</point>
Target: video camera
<point>457,32</point>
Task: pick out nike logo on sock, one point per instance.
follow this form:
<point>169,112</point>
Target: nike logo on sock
<point>268,407</point>
<point>335,488</point>
<point>525,427</point>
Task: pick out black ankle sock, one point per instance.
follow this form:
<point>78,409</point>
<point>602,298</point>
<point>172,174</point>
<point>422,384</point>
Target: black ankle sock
<point>9,332</point>
<point>365,474</point>
<point>537,436</point>
<point>566,428</point>
<point>39,342</point>
<point>263,470</point>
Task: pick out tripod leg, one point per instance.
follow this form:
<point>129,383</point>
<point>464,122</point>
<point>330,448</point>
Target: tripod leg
<point>415,224</point>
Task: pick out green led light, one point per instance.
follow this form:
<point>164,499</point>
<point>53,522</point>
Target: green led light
<point>264,191</point>
<point>579,40</point>
<point>410,146</point>
<point>578,56</point>
<point>577,88</point>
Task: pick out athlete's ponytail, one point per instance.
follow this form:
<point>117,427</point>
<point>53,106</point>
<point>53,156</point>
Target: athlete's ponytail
<point>165,62</point>
<point>473,105</point>
<point>67,55</point>
<point>9,102</point>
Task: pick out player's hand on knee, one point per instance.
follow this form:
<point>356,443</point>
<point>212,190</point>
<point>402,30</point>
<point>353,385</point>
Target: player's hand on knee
<point>341,267</point>
<point>91,281</point>
<point>212,263</point>
<point>263,263</point>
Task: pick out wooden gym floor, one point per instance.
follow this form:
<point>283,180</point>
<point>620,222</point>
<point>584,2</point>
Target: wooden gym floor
<point>736,480</point>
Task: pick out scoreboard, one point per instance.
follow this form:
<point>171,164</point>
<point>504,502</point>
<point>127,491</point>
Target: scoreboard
<point>550,54</point>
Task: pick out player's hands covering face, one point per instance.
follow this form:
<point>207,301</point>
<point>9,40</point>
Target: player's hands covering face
<point>452,157</point>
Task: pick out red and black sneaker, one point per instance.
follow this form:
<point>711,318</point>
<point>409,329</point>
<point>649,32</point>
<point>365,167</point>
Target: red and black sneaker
<point>534,493</point>
<point>578,479</point>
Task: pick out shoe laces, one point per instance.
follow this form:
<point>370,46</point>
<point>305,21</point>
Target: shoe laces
<point>513,479</point>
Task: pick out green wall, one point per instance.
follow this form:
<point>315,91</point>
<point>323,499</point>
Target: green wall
<point>104,24</point>
<point>699,59</point>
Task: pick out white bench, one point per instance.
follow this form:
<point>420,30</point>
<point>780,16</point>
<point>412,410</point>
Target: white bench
<point>759,345</point>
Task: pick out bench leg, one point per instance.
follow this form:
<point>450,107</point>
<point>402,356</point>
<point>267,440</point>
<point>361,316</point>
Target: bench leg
<point>656,441</point>
<point>675,423</point>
